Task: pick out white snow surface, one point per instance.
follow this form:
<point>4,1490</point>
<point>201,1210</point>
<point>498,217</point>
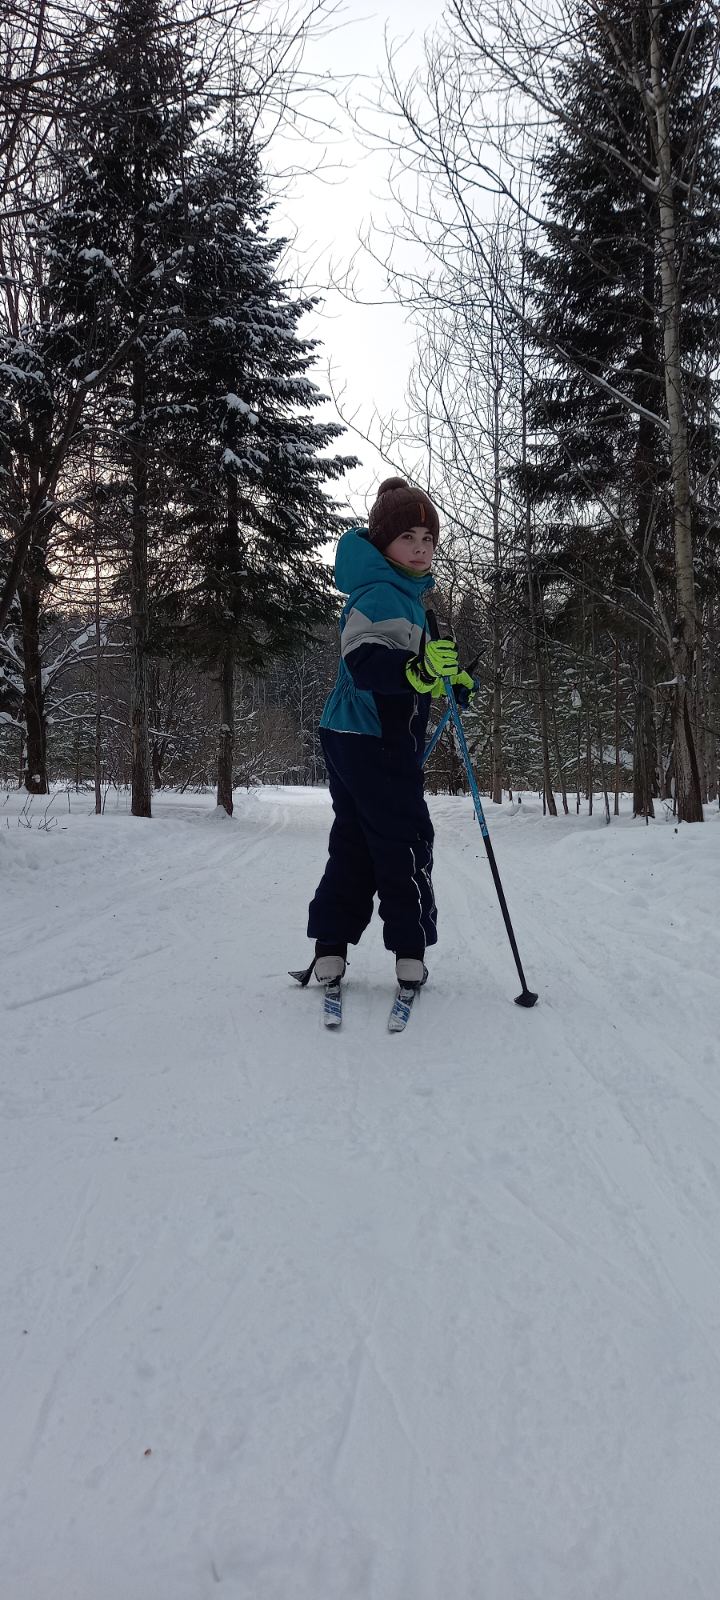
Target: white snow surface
<point>289,1315</point>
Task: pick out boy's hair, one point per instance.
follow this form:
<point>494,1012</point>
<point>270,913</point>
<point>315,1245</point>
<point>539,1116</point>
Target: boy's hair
<point>397,509</point>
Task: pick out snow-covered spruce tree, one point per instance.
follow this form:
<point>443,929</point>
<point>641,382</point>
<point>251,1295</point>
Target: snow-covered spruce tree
<point>245,458</point>
<point>627,287</point>
<point>115,266</point>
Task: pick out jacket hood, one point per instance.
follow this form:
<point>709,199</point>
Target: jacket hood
<point>358,565</point>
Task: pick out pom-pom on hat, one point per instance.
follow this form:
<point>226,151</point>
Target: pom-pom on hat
<point>397,509</point>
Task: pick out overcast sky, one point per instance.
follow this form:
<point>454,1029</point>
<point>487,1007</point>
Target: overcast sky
<point>369,347</point>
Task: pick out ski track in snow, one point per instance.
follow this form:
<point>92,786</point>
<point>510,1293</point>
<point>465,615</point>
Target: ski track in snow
<point>427,1317</point>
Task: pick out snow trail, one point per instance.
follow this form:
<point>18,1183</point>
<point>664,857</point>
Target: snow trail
<point>395,1318</point>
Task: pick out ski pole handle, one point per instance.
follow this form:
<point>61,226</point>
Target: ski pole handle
<point>434,627</point>
<point>443,630</point>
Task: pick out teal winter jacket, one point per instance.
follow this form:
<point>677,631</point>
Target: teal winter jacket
<point>381,627</point>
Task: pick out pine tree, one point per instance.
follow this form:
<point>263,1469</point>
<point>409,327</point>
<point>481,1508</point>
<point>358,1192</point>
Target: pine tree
<point>116,265</point>
<point>245,457</point>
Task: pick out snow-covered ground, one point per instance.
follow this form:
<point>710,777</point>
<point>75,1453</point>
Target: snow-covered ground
<point>288,1315</point>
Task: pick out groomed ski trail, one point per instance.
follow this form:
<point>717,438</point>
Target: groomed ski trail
<point>395,1318</point>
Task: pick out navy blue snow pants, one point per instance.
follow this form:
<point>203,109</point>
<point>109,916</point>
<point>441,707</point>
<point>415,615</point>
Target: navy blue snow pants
<point>380,843</point>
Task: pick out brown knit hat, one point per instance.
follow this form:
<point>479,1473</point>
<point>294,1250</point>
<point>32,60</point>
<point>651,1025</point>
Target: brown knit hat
<point>399,508</point>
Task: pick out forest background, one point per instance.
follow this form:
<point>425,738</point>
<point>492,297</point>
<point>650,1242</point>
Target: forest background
<point>172,478</point>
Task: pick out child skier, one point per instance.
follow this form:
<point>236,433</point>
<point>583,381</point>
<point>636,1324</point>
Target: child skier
<point>372,733</point>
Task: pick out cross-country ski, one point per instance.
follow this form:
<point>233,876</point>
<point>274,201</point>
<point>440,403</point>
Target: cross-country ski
<point>332,1003</point>
<point>401,1008</point>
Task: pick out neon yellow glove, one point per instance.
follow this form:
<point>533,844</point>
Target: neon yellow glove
<point>464,687</point>
<point>439,660</point>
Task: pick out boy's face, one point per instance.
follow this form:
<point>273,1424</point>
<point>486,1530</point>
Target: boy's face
<point>414,549</point>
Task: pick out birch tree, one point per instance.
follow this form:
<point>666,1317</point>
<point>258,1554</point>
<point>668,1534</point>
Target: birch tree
<point>667,58</point>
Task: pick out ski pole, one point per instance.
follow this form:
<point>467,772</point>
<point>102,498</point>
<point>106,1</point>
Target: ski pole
<point>526,998</point>
<point>440,729</point>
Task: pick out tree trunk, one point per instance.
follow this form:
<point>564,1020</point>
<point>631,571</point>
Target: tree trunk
<point>98,698</point>
<point>687,779</point>
<point>616,802</point>
<point>542,711</point>
<point>226,743</point>
<point>556,746</point>
<point>497,742</point>
<point>553,712</point>
<point>30,592</point>
<point>700,720</point>
<point>646,732</point>
<point>548,796</point>
<point>140,759</point>
<point>157,752</point>
<point>599,722</point>
<point>598,718</point>
<point>578,775</point>
<point>141,805</point>
<point>659,757</point>
<point>713,704</point>
<point>646,468</point>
